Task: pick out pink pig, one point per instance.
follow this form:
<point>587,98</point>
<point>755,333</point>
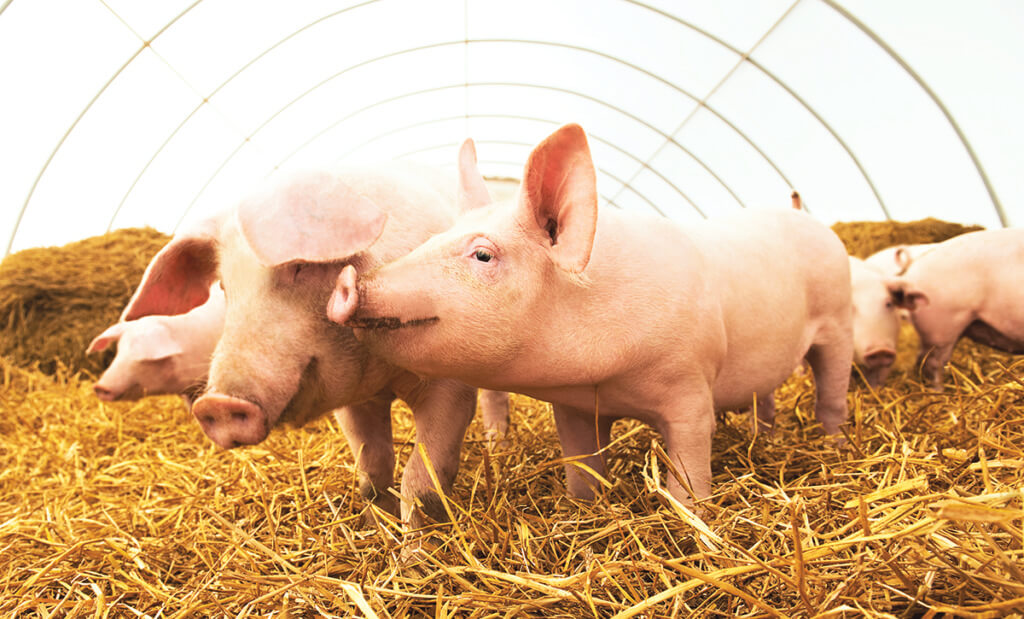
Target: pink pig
<point>876,325</point>
<point>968,286</point>
<point>612,315</point>
<point>277,255</point>
<point>161,354</point>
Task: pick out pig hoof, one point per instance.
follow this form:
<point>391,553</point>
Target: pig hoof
<point>416,548</point>
<point>374,517</point>
<point>496,439</point>
<point>430,511</point>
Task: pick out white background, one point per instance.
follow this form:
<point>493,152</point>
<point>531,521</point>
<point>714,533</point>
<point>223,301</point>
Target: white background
<point>119,113</point>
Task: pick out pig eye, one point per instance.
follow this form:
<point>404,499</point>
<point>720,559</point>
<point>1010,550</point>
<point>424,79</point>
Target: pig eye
<point>483,255</point>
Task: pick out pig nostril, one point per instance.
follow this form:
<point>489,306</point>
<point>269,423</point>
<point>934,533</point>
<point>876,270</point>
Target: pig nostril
<point>240,416</point>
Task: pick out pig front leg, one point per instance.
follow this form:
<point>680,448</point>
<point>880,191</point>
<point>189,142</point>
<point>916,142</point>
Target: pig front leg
<point>442,410</point>
<point>581,437</point>
<point>830,358</point>
<point>766,413</point>
<point>367,428</point>
<point>494,407</point>
<point>687,429</point>
<point>932,360</point>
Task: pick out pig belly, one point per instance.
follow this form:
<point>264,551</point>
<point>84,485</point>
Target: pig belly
<point>758,370</point>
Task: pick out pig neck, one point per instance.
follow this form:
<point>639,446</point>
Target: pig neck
<point>629,330</point>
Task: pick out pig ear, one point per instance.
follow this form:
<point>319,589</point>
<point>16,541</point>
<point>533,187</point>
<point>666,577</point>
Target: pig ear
<point>904,296</point>
<point>313,218</point>
<point>559,196</point>
<point>177,279</point>
<point>472,189</point>
<point>102,341</point>
<point>903,259</point>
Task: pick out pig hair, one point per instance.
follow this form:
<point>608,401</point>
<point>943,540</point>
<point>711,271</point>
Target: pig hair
<point>580,279</point>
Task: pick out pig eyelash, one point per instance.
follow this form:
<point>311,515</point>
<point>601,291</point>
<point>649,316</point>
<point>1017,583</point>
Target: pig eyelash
<point>481,250</point>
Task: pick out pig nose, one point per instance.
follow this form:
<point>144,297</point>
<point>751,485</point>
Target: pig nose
<point>104,394</point>
<point>881,357</point>
<point>230,421</point>
<point>345,298</point>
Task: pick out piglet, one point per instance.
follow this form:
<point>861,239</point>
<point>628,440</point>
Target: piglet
<point>608,314</point>
<point>968,286</point>
<point>876,325</point>
<point>159,355</point>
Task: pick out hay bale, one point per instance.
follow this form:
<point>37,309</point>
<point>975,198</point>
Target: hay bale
<point>863,238</point>
<point>54,300</point>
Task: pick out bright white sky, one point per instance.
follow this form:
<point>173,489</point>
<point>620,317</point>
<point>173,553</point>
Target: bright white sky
<point>99,131</point>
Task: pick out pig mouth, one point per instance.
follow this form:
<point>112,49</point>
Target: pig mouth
<point>389,323</point>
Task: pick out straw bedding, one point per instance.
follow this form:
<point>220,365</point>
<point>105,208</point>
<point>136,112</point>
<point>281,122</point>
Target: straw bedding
<point>127,510</point>
<point>54,300</point>
<point>863,238</point>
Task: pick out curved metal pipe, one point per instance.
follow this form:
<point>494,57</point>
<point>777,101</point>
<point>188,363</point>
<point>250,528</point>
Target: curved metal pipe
<point>996,204</point>
<point>455,145</point>
<point>784,86</point>
<point>425,91</point>
<point>591,136</point>
<point>49,160</point>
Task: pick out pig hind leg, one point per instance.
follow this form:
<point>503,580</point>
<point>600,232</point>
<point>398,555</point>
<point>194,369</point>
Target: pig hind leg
<point>830,358</point>
<point>367,428</point>
<point>494,407</point>
<point>581,440</point>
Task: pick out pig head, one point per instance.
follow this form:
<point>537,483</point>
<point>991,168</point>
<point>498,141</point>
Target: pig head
<point>876,324</point>
<point>159,355</point>
<point>279,360</point>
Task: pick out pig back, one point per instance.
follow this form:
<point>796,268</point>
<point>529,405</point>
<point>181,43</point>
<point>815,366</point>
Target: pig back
<point>781,277</point>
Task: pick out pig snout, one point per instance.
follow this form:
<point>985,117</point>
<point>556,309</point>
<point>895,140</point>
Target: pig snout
<point>345,298</point>
<point>104,394</point>
<point>230,421</point>
<point>351,306</point>
<point>880,357</point>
